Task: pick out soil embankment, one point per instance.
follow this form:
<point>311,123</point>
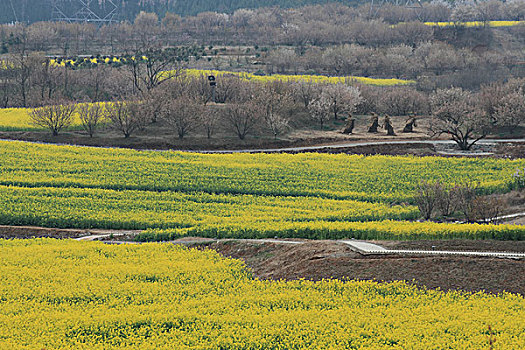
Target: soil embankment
<point>316,260</point>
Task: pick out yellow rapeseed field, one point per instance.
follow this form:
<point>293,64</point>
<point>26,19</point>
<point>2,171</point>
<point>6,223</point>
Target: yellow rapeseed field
<point>236,195</point>
<point>317,79</point>
<point>494,24</point>
<point>18,119</point>
<point>15,119</point>
<point>88,295</point>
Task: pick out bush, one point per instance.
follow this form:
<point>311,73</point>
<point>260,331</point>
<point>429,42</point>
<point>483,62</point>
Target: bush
<point>438,198</point>
<point>519,179</point>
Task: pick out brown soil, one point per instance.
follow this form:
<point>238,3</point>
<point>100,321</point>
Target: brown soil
<point>144,142</point>
<point>8,232</point>
<point>392,150</point>
<point>512,151</point>
<point>318,260</point>
<point>24,232</point>
<point>159,136</point>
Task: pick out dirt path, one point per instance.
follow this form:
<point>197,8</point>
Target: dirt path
<point>362,247</point>
<point>371,248</point>
<point>326,147</point>
<point>496,248</point>
<point>369,143</point>
<point>23,232</point>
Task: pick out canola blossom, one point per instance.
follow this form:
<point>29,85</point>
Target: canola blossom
<point>315,79</point>
<point>16,119</point>
<point>494,24</point>
<point>173,194</point>
<point>319,229</point>
<point>88,295</point>
<point>19,119</point>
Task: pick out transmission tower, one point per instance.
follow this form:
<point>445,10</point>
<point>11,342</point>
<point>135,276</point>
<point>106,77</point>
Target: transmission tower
<point>83,11</point>
<point>415,5</point>
<point>14,12</point>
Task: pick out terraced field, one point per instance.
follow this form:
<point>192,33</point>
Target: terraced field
<point>88,295</point>
<point>174,194</point>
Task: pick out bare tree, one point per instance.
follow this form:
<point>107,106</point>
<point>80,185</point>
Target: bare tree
<point>55,117</point>
<point>447,198</point>
<point>7,82</point>
<point>183,115</point>
<point>91,115</point>
<point>209,120</point>
<point>427,197</point>
<point>97,78</point>
<point>48,79</point>
<point>274,98</point>
<point>243,117</point>
<point>146,27</point>
<point>457,113</point>
<point>126,117</point>
<point>227,88</point>
<point>199,89</point>
<point>306,92</point>
<point>25,65</point>
<point>149,68</point>
<point>155,102</point>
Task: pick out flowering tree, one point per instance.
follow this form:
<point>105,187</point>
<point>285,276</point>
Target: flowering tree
<point>511,109</point>
<point>342,98</point>
<point>319,110</point>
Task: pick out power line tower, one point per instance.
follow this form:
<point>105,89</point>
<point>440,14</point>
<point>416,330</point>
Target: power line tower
<point>84,11</point>
<point>414,5</point>
<point>14,12</point>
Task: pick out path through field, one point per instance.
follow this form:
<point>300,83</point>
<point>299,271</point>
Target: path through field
<point>361,246</point>
<point>324,147</point>
<point>369,143</point>
<point>369,248</point>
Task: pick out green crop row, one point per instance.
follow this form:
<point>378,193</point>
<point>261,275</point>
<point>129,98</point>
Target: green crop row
<point>172,194</point>
<point>386,179</point>
<point>319,229</point>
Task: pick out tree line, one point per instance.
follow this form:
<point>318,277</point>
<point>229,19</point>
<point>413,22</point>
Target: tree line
<point>329,39</point>
<point>40,10</point>
<point>187,103</point>
<point>30,11</point>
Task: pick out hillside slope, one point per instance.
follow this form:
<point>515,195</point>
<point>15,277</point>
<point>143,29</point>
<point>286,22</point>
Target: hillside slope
<point>40,10</point>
